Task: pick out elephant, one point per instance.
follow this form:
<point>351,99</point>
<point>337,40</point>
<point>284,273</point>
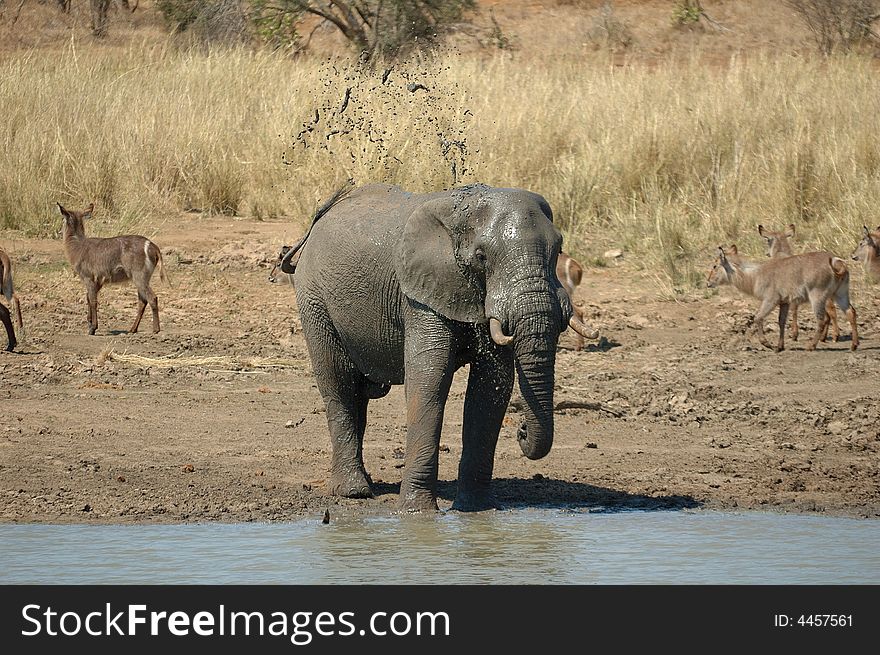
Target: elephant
<point>404,288</point>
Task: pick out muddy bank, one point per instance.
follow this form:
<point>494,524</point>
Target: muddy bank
<point>218,417</point>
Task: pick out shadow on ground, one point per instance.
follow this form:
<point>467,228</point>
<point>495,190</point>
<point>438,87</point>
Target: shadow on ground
<point>602,346</point>
<point>515,493</point>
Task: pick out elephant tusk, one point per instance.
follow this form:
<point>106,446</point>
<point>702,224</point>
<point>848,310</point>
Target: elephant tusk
<point>582,329</point>
<point>497,333</point>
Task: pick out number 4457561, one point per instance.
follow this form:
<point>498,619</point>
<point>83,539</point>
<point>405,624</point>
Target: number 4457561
<point>813,620</point>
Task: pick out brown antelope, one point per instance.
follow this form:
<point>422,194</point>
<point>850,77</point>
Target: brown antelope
<point>868,252</point>
<point>778,245</point>
<point>111,261</point>
<point>813,277</point>
<point>569,272</point>
<point>275,275</point>
<point>8,291</point>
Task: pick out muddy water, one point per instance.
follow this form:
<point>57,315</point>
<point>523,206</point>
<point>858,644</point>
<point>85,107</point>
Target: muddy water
<point>530,547</point>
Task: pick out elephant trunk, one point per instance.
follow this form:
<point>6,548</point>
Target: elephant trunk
<point>535,339</point>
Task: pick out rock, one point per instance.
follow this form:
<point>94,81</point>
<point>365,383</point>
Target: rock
<point>679,399</point>
<point>614,253</point>
<point>836,427</point>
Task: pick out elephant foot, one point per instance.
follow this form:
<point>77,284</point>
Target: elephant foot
<point>478,501</point>
<point>412,500</point>
<point>356,485</point>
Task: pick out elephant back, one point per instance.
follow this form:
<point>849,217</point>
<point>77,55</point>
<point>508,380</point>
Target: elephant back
<point>358,232</point>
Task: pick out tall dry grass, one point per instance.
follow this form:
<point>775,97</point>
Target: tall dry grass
<point>665,161</point>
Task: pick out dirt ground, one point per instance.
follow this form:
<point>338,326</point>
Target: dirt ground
<point>220,418</point>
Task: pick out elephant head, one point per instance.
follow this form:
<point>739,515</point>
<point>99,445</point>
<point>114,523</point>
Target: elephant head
<point>488,256</point>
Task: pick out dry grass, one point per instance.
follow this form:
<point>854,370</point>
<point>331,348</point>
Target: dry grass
<point>216,363</point>
<point>665,161</point>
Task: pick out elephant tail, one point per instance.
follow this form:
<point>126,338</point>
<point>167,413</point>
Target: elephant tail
<point>288,265</point>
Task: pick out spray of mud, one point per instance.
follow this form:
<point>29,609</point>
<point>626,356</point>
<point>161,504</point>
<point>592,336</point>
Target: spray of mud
<point>405,124</point>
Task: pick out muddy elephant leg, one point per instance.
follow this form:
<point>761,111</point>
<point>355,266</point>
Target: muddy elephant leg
<point>429,370</point>
<point>347,418</point>
<point>489,386</point>
<point>342,387</point>
<point>7,323</point>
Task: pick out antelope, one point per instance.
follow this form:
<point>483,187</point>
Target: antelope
<point>785,281</point>
<point>778,245</point>
<point>276,273</point>
<point>569,272</point>
<point>8,291</point>
<point>868,252</point>
<point>111,261</point>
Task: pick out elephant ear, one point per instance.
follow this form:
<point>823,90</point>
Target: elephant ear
<point>433,262</point>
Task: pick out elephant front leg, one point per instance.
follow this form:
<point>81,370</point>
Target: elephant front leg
<point>429,370</point>
<point>489,387</point>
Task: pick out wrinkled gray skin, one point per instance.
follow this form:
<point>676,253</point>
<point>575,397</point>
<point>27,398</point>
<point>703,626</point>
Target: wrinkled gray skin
<point>398,288</point>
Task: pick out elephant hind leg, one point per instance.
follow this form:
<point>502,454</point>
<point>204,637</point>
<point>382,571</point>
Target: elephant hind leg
<point>347,418</point>
<point>346,393</point>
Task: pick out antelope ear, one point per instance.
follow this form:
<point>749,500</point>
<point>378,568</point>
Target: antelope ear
<point>864,227</point>
<point>733,250</point>
<point>790,233</point>
<point>761,230</point>
<point>88,211</point>
<point>721,254</point>
<point>66,213</point>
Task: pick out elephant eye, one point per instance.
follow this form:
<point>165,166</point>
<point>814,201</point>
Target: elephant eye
<point>480,255</point>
